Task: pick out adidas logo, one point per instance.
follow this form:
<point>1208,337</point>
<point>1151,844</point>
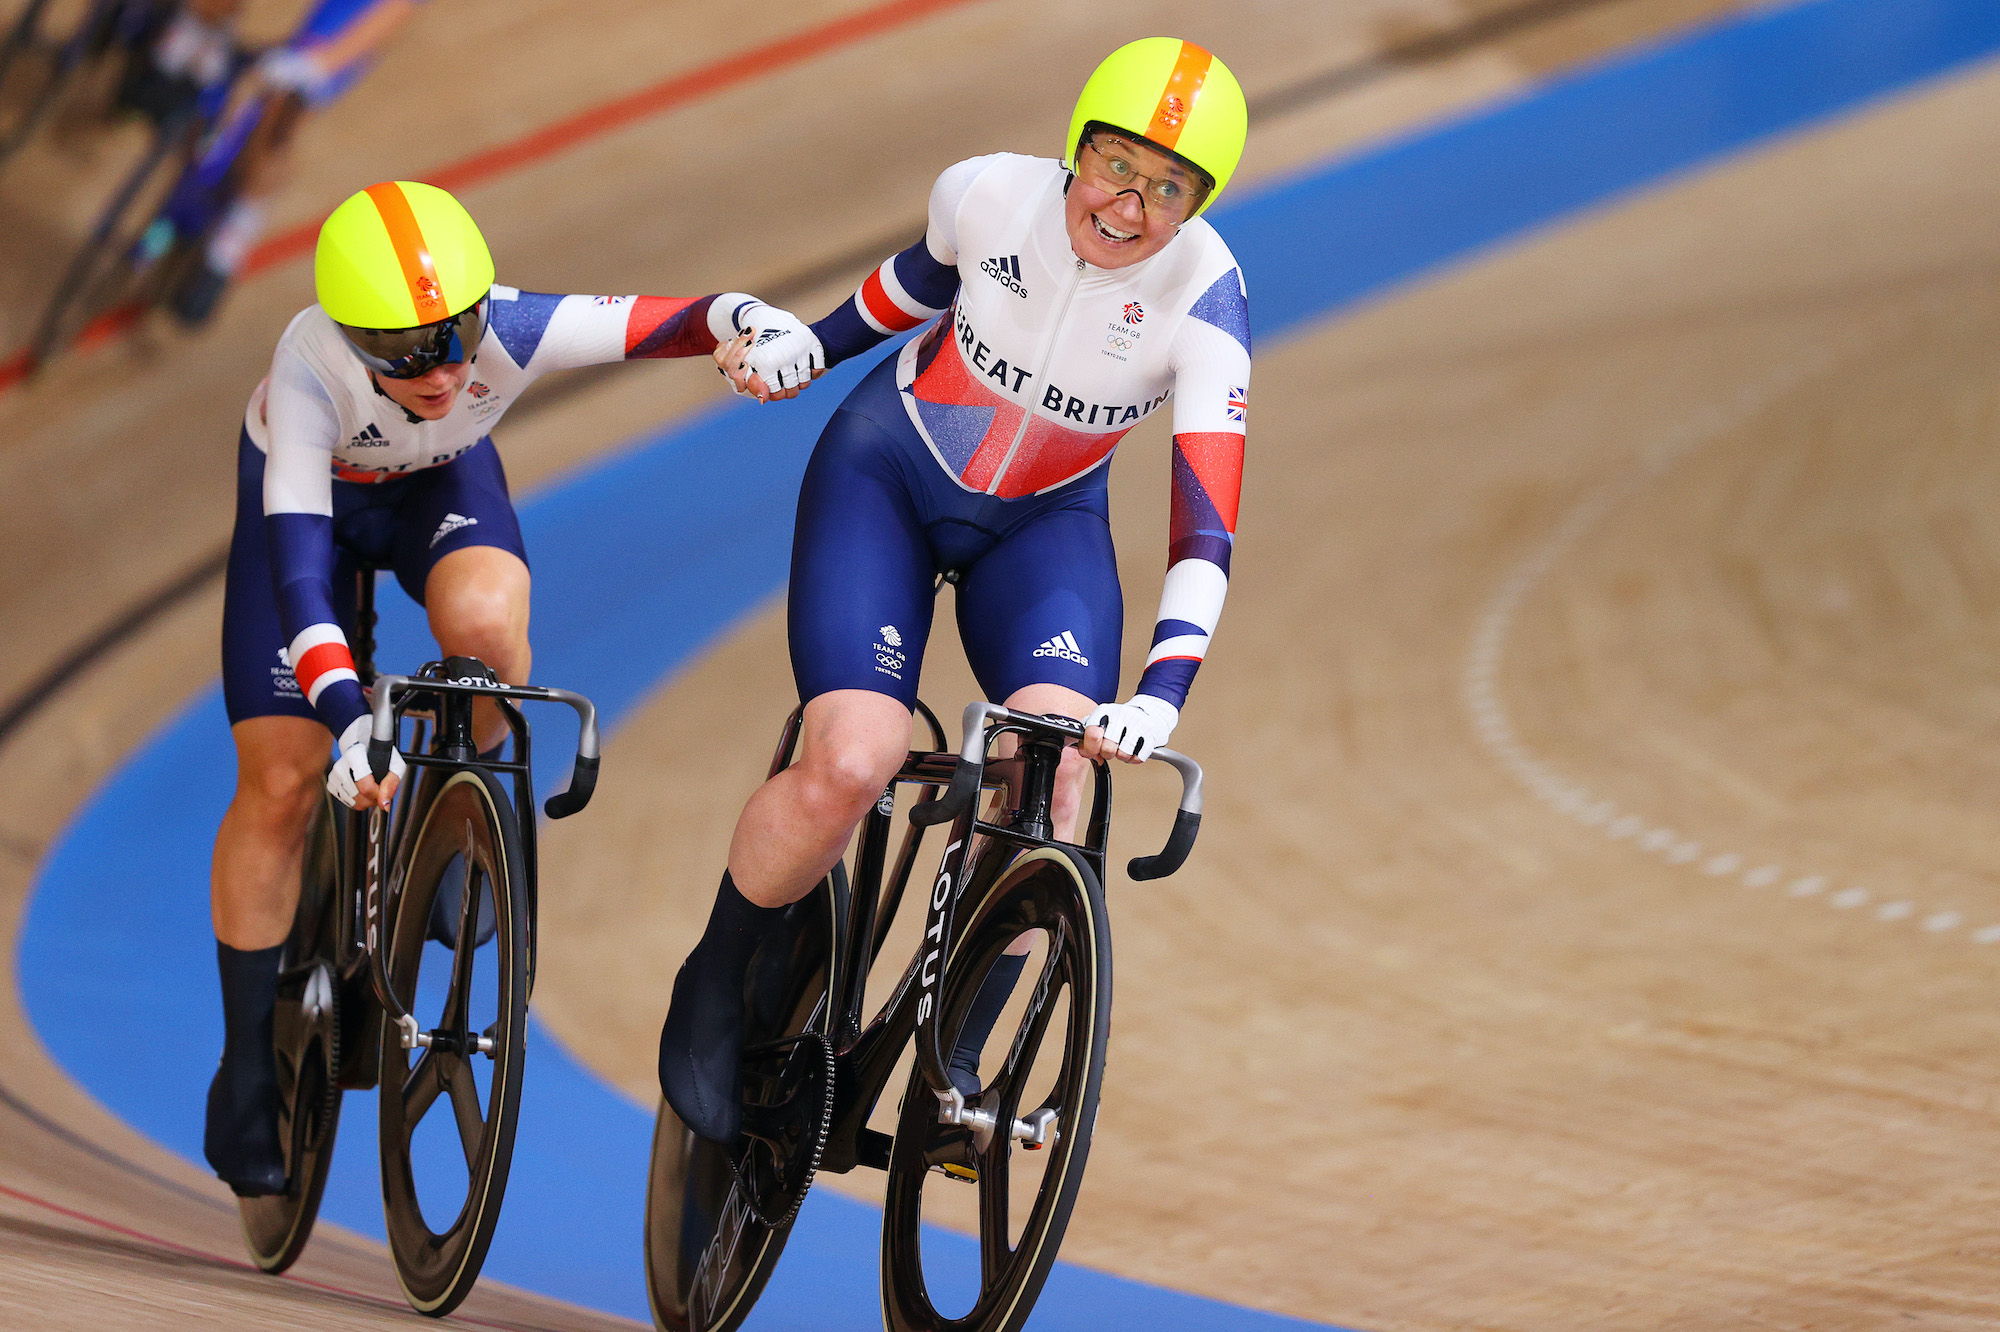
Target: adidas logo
<point>452,522</point>
<point>370,437</point>
<point>1064,645</point>
<point>1007,272</point>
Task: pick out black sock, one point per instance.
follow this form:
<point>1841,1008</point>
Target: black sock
<point>702,1042</point>
<point>994,992</point>
<point>240,1137</point>
<point>736,925</point>
<point>249,996</point>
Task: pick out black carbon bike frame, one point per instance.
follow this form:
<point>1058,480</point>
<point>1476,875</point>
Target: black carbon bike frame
<point>977,853</point>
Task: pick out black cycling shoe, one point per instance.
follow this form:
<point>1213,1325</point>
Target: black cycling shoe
<point>701,1056</point>
<point>241,1137</point>
<point>994,992</point>
<point>195,299</point>
<point>444,909</point>
<point>701,1043</point>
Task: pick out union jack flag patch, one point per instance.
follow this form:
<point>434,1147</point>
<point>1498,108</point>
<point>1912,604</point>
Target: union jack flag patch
<point>1239,403</point>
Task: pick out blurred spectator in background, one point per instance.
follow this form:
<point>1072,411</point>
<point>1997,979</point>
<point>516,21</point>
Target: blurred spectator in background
<point>333,46</point>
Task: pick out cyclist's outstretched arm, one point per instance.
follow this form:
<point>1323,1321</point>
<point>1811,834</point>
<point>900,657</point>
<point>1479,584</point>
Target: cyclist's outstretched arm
<point>365,36</point>
<point>311,60</point>
<point>909,288</point>
<point>1211,361</point>
<point>543,331</point>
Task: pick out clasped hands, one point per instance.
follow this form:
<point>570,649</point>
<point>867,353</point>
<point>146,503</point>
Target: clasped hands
<point>774,358</point>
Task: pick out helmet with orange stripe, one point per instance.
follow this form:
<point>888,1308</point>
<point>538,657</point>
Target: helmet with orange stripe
<point>1178,98</point>
<point>403,270</point>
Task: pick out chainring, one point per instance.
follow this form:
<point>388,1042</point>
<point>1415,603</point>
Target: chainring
<point>787,1109</point>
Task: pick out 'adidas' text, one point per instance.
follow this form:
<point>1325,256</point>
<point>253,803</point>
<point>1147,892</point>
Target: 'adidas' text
<point>1007,272</point>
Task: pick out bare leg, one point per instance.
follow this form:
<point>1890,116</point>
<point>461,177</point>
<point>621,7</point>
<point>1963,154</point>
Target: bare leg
<point>790,834</point>
<point>477,600</point>
<point>253,894</point>
<point>254,884</point>
<point>798,823</point>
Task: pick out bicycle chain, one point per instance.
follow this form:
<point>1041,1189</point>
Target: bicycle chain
<point>818,1147</point>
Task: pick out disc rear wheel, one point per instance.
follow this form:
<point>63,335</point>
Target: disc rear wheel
<point>710,1242</point>
<point>306,1028</point>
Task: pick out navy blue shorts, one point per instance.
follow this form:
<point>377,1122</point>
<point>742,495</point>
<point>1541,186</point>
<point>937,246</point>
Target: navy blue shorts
<point>407,525</point>
<point>879,520</point>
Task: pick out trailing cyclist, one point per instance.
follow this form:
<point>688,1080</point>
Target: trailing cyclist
<point>368,446</point>
<point>222,200</point>
<point>1079,297</point>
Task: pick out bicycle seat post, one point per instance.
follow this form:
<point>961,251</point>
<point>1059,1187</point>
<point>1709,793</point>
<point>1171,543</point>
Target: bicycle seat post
<point>454,728</point>
<point>1041,757</point>
<point>364,627</point>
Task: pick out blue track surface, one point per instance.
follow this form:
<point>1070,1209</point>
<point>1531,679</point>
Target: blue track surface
<point>647,555</point>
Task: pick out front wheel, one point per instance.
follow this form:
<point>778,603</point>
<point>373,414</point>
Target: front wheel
<point>449,1109</point>
<point>1023,1154</point>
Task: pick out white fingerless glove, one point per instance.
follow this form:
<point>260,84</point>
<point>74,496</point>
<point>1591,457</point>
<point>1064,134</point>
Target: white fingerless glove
<point>289,70</point>
<point>785,352</point>
<point>1137,728</point>
<point>343,780</point>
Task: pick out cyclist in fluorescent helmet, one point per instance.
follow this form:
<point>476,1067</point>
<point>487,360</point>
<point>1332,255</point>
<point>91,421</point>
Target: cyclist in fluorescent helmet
<point>1078,297</point>
<point>368,447</point>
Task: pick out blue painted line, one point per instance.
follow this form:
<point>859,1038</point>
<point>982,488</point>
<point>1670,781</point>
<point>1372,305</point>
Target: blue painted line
<point>648,554</point>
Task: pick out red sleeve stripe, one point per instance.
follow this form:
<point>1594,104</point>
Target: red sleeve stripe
<point>881,311</point>
<point>319,658</point>
<point>648,318</point>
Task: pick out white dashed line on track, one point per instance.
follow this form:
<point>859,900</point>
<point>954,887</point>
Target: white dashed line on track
<point>1562,792</point>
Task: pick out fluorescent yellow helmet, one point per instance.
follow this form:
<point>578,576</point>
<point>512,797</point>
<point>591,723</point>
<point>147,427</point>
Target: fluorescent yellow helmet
<point>402,268</point>
<point>1174,94</point>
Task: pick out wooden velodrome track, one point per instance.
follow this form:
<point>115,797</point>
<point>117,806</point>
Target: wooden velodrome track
<point>1682,507</point>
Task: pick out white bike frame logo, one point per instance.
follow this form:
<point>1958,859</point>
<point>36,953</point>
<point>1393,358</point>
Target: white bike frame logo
<point>931,973</point>
<point>375,821</point>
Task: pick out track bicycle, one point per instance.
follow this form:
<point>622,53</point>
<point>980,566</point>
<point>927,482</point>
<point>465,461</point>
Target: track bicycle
<point>38,66</point>
<point>146,244</point>
<point>717,1217</point>
<point>371,948</point>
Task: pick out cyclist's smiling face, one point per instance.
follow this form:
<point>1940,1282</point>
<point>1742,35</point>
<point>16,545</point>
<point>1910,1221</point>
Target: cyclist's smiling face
<point>1114,225</point>
<point>429,395</point>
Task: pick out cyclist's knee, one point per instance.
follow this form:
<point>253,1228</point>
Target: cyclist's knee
<point>845,777</point>
<point>277,793</point>
<point>855,741</point>
<point>280,765</point>
<point>484,618</point>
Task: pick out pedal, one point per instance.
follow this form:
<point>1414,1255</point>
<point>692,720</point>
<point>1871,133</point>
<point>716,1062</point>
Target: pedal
<point>964,1174</point>
<point>1037,1131</point>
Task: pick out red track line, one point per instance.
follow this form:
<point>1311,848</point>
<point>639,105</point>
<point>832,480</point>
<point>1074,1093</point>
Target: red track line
<point>188,1251</point>
<point>596,121</point>
<point>591,123</point>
